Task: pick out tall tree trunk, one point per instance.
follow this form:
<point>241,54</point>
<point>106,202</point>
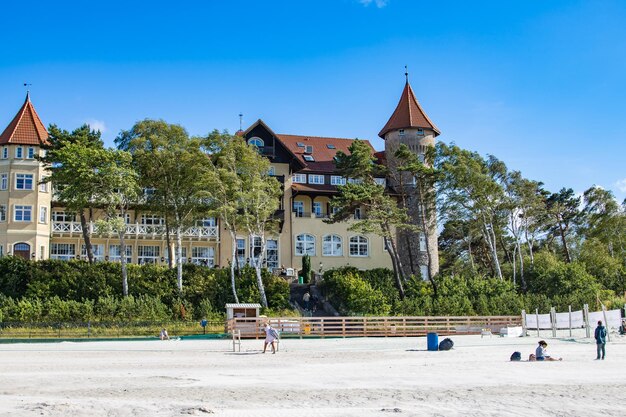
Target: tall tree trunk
<point>258,262</point>
<point>123,261</point>
<point>514,263</point>
<point>521,265</point>
<point>490,237</point>
<point>233,236</point>
<point>168,242</point>
<point>86,235</point>
<point>562,232</point>
<point>397,266</point>
<point>179,259</point>
<point>424,213</point>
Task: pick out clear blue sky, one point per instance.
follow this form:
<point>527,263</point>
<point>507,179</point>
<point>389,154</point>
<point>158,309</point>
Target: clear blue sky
<point>539,84</point>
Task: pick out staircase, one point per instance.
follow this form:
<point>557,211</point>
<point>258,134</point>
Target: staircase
<point>323,307</point>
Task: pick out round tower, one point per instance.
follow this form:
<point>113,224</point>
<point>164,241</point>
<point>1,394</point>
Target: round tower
<point>409,125</point>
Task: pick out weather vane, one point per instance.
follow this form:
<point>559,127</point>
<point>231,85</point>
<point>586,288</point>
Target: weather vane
<point>406,72</point>
<point>240,121</point>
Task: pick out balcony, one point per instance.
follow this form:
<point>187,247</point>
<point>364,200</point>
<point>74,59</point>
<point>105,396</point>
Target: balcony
<point>137,231</point>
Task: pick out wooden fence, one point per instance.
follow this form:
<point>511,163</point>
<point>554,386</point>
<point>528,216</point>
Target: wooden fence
<point>370,326</point>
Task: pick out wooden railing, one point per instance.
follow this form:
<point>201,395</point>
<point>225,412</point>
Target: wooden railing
<point>370,326</point>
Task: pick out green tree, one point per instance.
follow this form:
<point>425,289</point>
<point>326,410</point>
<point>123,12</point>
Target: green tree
<point>562,209</point>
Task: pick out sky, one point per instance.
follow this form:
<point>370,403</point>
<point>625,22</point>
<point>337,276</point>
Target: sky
<point>539,84</point>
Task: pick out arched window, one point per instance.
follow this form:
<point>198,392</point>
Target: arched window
<point>359,246</point>
<point>305,245</point>
<point>332,245</point>
<point>258,142</point>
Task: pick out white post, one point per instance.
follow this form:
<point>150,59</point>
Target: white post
<point>553,320</point>
<point>606,324</point>
<point>524,323</point>
<point>570,321</point>
<point>586,319</point>
<point>537,317</point>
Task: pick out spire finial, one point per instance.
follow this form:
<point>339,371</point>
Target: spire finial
<point>406,73</point>
<point>27,85</point>
<point>240,121</point>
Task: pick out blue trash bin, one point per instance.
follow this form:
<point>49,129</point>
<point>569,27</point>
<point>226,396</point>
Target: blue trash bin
<point>432,341</point>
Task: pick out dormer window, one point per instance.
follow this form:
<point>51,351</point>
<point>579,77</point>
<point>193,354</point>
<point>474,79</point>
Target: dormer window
<point>308,149</point>
<point>258,142</point>
<point>420,132</point>
<point>401,132</point>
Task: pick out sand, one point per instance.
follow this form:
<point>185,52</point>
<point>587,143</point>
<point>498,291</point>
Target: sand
<point>331,377</point>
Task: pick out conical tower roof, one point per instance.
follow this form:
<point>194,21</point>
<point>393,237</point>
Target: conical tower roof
<point>26,127</point>
<point>408,114</point>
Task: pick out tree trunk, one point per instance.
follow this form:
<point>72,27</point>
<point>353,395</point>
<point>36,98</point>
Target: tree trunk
<point>397,267</point>
<point>258,262</point>
<point>123,261</point>
<point>179,259</point>
<point>521,265</point>
<point>565,248</point>
<point>86,236</point>
<point>423,213</point>
<point>233,236</point>
<point>168,242</point>
<point>490,237</point>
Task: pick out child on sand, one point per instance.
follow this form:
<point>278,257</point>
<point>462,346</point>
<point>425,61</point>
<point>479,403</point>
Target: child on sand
<point>164,335</point>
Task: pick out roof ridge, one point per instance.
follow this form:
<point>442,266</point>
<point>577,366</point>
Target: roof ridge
<point>318,137</point>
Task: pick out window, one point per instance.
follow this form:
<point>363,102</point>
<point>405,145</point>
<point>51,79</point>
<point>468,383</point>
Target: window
<point>308,149</point>
<point>401,132</point>
<point>316,179</point>
<point>298,208</point>
<point>354,181</point>
<point>5,153</point>
<point>19,152</point>
<point>23,213</point>
<point>31,153</point>
<point>43,215</point>
<point>420,132</point>
<point>271,254</point>
<point>422,237</point>
<point>299,178</point>
<point>23,181</point>
<point>62,251</point>
<point>148,192</point>
<point>3,213</point>
<point>203,256</point>
<point>258,142</point>
<point>148,254</point>
<point>358,246</point>
<point>183,255</point>
<point>4,181</point>
<point>424,272</point>
<point>272,170</point>
<point>116,250</point>
<point>1,251</point>
<point>42,252</point>
<point>332,246</point>
<point>97,250</point>
<point>330,146</point>
<point>151,219</point>
<point>317,209</point>
<point>337,180</point>
<point>300,144</point>
<point>357,213</point>
<point>62,216</point>
<point>241,252</point>
<point>309,158</point>
<point>43,186</point>
<point>208,222</point>
<point>380,181</point>
<point>305,245</point>
<point>255,248</point>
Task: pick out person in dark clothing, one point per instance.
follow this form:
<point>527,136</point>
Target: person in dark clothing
<point>600,336</point>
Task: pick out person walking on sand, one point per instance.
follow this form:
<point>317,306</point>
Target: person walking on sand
<point>306,298</point>
<point>600,336</point>
<point>271,335</point>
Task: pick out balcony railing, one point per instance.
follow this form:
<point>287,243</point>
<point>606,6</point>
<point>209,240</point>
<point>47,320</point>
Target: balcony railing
<point>138,230</point>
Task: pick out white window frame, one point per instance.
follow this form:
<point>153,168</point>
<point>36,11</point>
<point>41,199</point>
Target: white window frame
<point>19,152</point>
<point>43,186</point>
<point>63,216</point>
<point>4,181</point>
<point>380,181</point>
<point>305,244</point>
<point>332,245</point>
<point>358,247</point>
<point>30,153</point>
<point>3,212</point>
<point>241,251</point>
<point>96,250</point>
<point>271,171</point>
<point>43,214</point>
<point>27,179</point>
<point>424,272</point>
<point>299,179</point>
<point>115,250</point>
<point>337,180</point>
<point>422,239</point>
<point>62,251</point>
<point>318,209</point>
<point>316,179</point>
<point>203,255</point>
<point>152,220</point>
<point>272,254</point>
<point>400,132</point>
<point>358,213</point>
<point>256,141</point>
<point>298,208</point>
<point>148,254</point>
<point>420,132</point>
<point>24,210</point>
<point>5,152</point>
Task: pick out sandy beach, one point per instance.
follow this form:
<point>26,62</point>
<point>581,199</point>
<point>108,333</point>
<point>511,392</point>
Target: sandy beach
<point>331,377</point>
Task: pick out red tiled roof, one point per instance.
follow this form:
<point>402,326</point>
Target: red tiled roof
<point>322,154</point>
<point>26,127</point>
<point>408,114</point>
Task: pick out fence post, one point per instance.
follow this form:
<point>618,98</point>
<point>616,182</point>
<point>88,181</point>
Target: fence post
<point>606,324</point>
<point>524,323</point>
<point>537,317</point>
<point>586,319</point>
<point>553,320</point>
<point>89,328</point>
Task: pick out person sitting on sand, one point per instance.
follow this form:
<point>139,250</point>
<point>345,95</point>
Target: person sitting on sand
<point>271,335</point>
<point>164,335</point>
<point>540,352</point>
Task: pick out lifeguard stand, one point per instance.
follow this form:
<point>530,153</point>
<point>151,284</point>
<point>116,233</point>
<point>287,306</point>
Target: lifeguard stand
<point>242,310</point>
<point>242,328</point>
